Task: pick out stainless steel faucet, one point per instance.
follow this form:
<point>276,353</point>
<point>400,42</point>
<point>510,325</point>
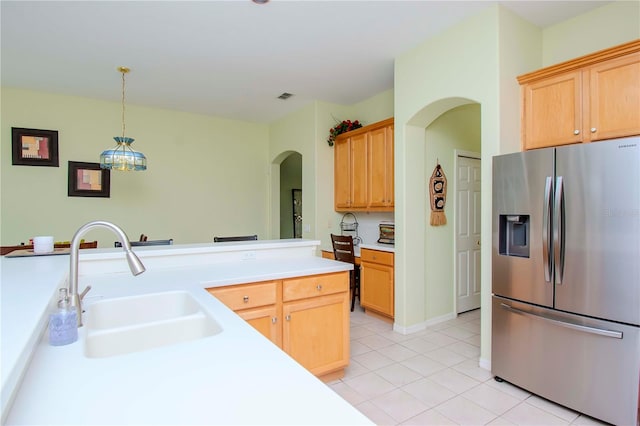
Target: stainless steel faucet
<point>135,265</point>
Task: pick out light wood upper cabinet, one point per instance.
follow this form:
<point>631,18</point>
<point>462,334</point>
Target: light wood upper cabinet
<point>552,113</point>
<point>341,171</point>
<point>359,170</point>
<point>590,98</point>
<point>363,168</point>
<point>380,163</point>
<point>614,103</point>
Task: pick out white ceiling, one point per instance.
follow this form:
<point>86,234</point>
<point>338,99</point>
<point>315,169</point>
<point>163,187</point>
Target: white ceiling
<point>229,58</point>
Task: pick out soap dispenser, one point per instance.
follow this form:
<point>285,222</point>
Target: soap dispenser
<point>63,324</point>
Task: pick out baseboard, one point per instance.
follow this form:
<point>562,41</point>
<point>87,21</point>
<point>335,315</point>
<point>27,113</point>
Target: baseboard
<point>423,325</point>
<point>484,363</point>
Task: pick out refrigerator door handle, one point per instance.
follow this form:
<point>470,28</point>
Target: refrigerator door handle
<point>546,229</point>
<point>583,328</point>
<point>558,230</point>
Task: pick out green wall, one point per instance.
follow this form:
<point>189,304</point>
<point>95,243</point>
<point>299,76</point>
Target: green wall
<point>456,129</point>
<point>606,26</point>
<point>475,62</point>
<point>206,176</point>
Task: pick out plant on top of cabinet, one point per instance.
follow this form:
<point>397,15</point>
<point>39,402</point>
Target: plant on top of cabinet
<point>340,128</point>
<point>591,98</point>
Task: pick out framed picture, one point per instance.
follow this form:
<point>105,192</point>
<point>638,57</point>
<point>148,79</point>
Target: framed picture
<point>33,147</point>
<point>88,180</point>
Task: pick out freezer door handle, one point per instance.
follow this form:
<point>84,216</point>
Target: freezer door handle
<point>583,328</point>
<point>546,229</point>
<point>558,230</point>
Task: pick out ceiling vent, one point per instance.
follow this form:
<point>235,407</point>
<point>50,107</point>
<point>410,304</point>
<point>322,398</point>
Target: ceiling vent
<point>285,95</point>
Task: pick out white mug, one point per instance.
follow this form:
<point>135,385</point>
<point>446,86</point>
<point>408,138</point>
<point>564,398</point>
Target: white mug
<point>42,245</point>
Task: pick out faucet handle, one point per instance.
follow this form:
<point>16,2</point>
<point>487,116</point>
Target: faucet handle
<point>84,292</point>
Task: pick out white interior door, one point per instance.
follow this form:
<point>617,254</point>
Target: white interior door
<point>467,232</point>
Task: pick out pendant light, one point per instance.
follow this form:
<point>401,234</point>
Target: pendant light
<point>123,157</point>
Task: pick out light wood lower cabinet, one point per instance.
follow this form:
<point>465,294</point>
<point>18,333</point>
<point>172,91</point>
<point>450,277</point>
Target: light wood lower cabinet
<point>257,304</point>
<point>308,317</point>
<point>314,332</point>
<point>266,321</point>
<point>376,282</point>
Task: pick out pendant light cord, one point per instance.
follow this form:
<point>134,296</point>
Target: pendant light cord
<point>123,127</point>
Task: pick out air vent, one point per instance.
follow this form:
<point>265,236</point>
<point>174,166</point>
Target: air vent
<point>285,95</point>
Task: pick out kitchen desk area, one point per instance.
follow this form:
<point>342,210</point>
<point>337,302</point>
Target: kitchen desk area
<point>234,376</point>
<point>377,288</point>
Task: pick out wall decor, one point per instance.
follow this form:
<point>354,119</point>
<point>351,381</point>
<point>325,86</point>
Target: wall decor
<point>34,147</point>
<point>88,180</point>
<point>438,196</point>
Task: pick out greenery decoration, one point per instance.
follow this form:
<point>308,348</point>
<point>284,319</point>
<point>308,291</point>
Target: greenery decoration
<point>343,126</point>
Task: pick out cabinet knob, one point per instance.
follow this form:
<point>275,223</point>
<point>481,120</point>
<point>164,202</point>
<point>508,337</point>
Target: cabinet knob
<point>274,320</point>
<point>318,287</point>
<point>245,299</point>
<point>593,130</point>
<point>576,132</point>
<point>288,317</point>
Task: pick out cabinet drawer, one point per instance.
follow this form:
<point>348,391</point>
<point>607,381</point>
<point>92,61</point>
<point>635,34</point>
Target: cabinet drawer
<point>376,256</point>
<point>246,296</point>
<point>315,285</point>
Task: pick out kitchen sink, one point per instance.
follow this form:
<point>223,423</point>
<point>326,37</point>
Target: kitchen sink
<point>139,323</point>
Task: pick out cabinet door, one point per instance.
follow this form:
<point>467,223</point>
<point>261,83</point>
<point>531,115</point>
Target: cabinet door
<point>614,102</point>
<point>552,111</point>
<point>314,286</point>
<point>380,168</point>
<point>359,166</point>
<point>316,332</point>
<point>390,167</point>
<point>376,288</point>
<point>266,321</point>
<point>246,296</point>
<point>342,174</point>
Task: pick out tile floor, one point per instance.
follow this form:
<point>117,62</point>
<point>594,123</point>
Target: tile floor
<point>433,378</point>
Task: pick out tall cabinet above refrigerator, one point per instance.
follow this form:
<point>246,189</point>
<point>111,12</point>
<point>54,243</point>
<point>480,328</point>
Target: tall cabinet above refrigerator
<point>566,275</point>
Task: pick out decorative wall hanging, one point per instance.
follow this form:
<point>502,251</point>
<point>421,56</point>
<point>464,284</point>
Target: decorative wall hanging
<point>88,180</point>
<point>33,147</point>
<point>438,196</point>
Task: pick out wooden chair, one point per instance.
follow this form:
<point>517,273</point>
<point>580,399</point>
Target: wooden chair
<point>147,243</point>
<point>240,238</point>
<point>8,249</point>
<point>343,252</point>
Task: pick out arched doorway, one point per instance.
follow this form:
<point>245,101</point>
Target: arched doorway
<point>291,196</point>
<point>426,294</point>
<point>286,183</point>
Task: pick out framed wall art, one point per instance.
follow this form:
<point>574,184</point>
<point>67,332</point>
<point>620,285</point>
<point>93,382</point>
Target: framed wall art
<point>34,147</point>
<point>88,180</point>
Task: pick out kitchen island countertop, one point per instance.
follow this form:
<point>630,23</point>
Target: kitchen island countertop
<point>234,377</point>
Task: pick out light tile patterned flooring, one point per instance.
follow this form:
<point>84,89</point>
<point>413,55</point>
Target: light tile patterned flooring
<point>433,378</point>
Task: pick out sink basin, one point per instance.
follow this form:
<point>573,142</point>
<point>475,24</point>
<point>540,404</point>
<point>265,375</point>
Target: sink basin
<point>139,323</point>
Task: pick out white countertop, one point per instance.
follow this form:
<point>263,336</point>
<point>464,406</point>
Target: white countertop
<point>378,246</point>
<point>234,377</point>
<point>373,246</point>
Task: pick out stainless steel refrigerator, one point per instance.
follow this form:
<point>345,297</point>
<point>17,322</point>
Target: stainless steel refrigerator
<point>566,276</point>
